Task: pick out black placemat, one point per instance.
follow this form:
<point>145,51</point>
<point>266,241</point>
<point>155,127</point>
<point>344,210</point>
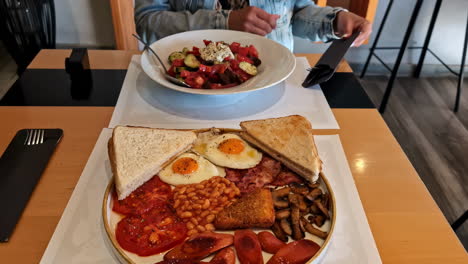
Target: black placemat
<point>52,87</point>
<point>344,90</point>
<point>21,167</point>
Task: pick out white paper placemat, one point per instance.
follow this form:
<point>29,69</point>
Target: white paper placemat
<point>80,236</point>
<point>143,102</point>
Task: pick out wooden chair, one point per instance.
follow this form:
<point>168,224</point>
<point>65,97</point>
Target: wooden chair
<point>124,23</point>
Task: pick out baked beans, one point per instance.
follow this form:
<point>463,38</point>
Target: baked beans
<point>197,204</point>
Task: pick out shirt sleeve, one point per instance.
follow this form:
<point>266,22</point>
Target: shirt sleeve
<point>312,22</point>
<point>155,19</point>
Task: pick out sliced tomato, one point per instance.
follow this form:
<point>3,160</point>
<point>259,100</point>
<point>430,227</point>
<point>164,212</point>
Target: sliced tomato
<point>242,75</point>
<point>225,256</point>
<point>296,252</point>
<point>241,58</point>
<point>153,232</point>
<point>222,86</point>
<point>171,71</point>
<point>234,47</point>
<point>205,68</point>
<point>178,63</point>
<point>234,64</point>
<point>253,51</point>
<point>248,247</point>
<point>195,81</point>
<point>207,42</point>
<point>154,193</point>
<point>200,246</point>
<point>243,51</point>
<point>195,51</point>
<point>219,68</point>
<point>185,73</point>
<point>269,242</point>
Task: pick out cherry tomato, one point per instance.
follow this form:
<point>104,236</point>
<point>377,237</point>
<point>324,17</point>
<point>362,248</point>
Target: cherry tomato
<point>244,51</point>
<point>241,58</point>
<point>178,63</point>
<point>253,51</point>
<point>234,47</point>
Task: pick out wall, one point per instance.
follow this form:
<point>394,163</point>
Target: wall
<point>447,38</point>
<point>84,23</point>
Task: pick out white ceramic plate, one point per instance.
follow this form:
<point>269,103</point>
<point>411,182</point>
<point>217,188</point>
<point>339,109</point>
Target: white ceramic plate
<point>277,61</point>
<point>111,219</point>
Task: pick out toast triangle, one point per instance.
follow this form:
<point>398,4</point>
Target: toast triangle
<point>137,154</point>
<point>288,139</point>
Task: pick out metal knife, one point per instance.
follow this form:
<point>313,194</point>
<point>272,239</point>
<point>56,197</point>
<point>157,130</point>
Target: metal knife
<point>326,66</point>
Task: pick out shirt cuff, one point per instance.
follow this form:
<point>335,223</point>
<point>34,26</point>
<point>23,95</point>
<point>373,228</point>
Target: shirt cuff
<point>222,19</point>
<point>332,17</point>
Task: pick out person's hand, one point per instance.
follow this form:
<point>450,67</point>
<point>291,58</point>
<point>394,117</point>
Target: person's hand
<point>252,19</point>
<point>346,23</point>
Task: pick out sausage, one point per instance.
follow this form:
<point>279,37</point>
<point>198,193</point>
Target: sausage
<point>296,252</point>
<point>200,246</point>
<point>269,242</point>
<point>225,256</point>
<point>248,248</point>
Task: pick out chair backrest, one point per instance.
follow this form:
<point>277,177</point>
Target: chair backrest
<point>124,24</point>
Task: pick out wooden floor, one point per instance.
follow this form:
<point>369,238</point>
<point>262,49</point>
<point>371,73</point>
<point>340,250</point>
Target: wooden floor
<point>435,139</point>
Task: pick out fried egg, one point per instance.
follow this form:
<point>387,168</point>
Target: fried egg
<point>229,150</point>
<point>189,168</point>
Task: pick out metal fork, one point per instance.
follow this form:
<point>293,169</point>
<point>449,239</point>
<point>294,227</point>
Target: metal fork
<point>170,78</point>
<point>34,137</point>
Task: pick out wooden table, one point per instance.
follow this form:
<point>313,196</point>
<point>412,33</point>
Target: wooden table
<point>407,225</point>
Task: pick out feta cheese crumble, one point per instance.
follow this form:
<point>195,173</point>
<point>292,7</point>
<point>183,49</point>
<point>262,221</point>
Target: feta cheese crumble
<point>216,52</point>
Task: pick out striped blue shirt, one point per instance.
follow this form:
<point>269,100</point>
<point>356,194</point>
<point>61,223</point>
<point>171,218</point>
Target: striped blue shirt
<point>156,19</point>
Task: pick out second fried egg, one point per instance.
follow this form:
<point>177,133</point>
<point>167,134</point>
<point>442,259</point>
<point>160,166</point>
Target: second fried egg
<point>229,150</point>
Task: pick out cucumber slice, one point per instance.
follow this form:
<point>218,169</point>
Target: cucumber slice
<point>191,61</point>
<point>176,56</point>
<point>248,68</point>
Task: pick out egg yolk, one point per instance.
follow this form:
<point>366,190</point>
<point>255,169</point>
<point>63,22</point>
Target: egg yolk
<point>231,146</point>
<point>184,165</point>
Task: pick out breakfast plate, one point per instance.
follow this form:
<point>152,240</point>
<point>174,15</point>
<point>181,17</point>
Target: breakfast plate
<point>277,62</point>
<point>111,219</point>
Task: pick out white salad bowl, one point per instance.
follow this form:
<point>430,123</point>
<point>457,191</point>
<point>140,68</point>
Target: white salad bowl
<point>277,61</point>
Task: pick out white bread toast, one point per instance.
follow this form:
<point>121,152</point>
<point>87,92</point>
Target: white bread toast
<point>137,154</point>
<point>289,140</point>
